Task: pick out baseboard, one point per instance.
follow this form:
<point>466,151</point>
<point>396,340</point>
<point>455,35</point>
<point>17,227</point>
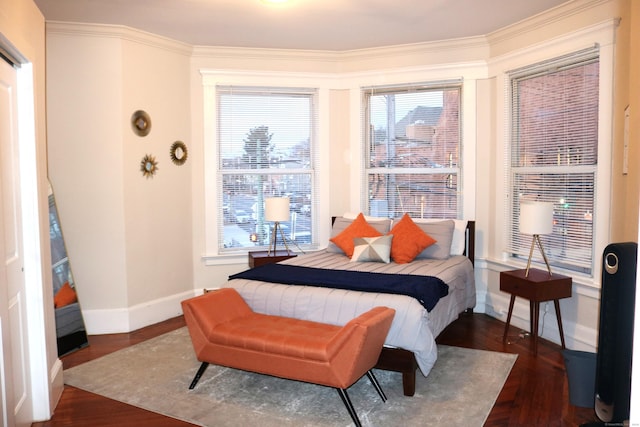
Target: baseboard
<point>481,302</point>
<point>119,320</point>
<point>57,383</point>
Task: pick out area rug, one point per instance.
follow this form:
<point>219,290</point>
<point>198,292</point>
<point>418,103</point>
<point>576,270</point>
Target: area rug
<point>155,375</point>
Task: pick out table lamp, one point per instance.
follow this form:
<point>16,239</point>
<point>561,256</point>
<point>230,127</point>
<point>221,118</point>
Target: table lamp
<point>536,218</point>
<point>276,210</point>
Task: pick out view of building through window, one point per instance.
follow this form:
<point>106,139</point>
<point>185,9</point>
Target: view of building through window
<point>413,151</point>
<point>265,150</point>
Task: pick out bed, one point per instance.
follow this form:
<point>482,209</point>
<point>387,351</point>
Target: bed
<point>410,344</point>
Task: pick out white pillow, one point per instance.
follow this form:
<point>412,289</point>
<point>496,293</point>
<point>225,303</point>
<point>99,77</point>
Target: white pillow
<point>459,240</point>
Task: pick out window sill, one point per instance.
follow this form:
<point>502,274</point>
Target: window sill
<point>225,259</point>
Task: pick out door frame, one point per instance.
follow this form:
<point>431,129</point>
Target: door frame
<point>40,333</point>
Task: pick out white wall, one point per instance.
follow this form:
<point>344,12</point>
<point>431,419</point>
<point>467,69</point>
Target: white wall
<point>157,210</point>
<point>86,162</point>
<point>128,237</point>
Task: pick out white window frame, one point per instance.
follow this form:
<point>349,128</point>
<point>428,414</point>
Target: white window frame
<point>603,35</point>
<point>456,171</point>
<point>563,166</point>
<point>210,80</point>
<point>469,73</point>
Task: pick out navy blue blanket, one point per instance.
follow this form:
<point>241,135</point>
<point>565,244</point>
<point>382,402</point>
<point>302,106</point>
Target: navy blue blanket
<point>426,289</point>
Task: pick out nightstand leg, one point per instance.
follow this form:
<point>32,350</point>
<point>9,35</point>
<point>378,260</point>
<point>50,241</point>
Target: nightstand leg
<point>532,318</point>
<point>506,326</point>
<point>556,304</point>
<point>534,331</point>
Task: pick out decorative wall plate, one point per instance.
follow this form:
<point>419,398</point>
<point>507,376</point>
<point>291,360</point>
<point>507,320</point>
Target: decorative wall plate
<point>178,152</point>
<point>141,123</point>
<point>148,166</point>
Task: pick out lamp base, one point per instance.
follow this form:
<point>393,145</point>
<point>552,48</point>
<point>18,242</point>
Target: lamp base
<point>536,238</point>
<point>274,239</point>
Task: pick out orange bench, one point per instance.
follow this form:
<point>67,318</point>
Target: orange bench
<point>225,331</point>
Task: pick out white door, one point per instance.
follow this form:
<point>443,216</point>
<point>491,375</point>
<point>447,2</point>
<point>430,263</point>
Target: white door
<point>15,396</point>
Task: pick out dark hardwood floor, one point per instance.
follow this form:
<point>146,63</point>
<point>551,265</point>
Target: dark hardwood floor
<point>535,394</point>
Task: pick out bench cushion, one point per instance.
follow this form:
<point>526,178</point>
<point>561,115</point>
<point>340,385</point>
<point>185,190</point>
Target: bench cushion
<point>277,335</point>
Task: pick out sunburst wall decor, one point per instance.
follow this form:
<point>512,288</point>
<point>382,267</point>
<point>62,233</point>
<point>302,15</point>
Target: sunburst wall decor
<point>148,166</point>
<point>141,123</point>
<point>178,152</point>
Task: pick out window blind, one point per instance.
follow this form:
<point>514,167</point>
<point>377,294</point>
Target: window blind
<point>265,149</point>
<point>553,154</point>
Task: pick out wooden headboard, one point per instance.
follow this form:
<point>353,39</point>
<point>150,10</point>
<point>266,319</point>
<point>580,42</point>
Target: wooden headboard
<point>470,244</point>
<point>470,241</point>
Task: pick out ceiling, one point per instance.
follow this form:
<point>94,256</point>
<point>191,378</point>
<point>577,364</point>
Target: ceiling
<point>332,25</point>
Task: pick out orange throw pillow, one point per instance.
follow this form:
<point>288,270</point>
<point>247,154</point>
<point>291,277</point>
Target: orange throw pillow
<point>65,296</point>
<point>358,228</point>
<point>408,240</point>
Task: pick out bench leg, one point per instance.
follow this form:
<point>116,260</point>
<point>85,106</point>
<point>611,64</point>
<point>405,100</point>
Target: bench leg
<point>376,384</point>
<point>347,402</point>
<point>201,370</point>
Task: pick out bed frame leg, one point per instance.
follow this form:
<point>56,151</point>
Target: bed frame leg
<point>347,402</point>
<point>409,383</point>
<point>403,361</point>
<point>201,370</point>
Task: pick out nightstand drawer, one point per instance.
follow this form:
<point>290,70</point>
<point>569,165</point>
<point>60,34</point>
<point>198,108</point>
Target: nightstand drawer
<point>517,287</point>
<point>538,286</point>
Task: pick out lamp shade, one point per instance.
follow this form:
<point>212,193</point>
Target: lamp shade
<point>536,217</point>
<point>276,209</point>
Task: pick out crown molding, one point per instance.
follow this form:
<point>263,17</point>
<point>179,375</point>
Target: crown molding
<point>540,21</point>
<point>224,52</point>
<point>424,48</point>
<point>378,53</point>
<point>601,33</point>
<point>468,49</point>
<point>120,32</point>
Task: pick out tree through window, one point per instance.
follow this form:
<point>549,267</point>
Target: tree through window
<point>265,150</point>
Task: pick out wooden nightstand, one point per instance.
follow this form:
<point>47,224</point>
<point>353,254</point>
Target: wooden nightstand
<point>258,258</point>
<point>538,287</point>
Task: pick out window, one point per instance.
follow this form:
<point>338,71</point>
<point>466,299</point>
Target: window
<point>265,149</point>
<point>554,154</point>
<point>413,150</point>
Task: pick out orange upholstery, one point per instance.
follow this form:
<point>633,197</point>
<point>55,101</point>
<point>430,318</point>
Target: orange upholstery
<point>225,331</point>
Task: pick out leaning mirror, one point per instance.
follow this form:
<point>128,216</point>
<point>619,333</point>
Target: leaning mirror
<point>70,329</point>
